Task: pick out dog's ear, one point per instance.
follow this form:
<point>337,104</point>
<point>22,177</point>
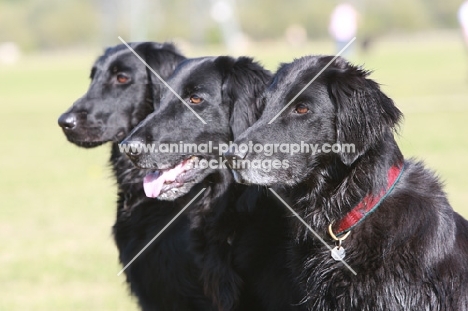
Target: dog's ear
<point>163,58</point>
<point>244,81</point>
<point>364,114</point>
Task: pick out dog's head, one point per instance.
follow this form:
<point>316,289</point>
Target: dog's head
<point>336,120</point>
<point>222,91</point>
<point>120,95</point>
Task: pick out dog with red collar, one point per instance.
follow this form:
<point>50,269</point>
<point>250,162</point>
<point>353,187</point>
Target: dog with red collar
<point>398,244</point>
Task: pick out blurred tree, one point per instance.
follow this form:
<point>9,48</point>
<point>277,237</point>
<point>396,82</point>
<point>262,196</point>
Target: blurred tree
<point>62,23</point>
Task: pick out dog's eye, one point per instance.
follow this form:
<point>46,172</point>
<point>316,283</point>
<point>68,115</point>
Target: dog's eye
<point>195,99</point>
<point>121,78</point>
<point>301,109</point>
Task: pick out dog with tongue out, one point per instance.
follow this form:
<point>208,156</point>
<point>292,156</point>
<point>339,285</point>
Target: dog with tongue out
<point>226,225</point>
<point>228,220</point>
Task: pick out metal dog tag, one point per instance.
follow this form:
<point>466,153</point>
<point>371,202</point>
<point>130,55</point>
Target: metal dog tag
<point>338,253</point>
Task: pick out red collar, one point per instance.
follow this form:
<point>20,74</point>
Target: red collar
<point>369,204</point>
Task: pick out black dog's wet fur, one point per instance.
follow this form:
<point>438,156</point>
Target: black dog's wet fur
<point>242,237</point>
<point>165,276</point>
<point>412,252</point>
<point>240,234</point>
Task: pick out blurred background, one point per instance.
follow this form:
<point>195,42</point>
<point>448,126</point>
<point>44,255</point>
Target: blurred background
<point>58,201</point>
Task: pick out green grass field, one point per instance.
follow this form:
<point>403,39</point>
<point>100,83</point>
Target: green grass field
<point>58,201</point>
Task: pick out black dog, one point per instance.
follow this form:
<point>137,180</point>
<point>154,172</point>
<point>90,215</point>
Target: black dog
<point>239,233</point>
<point>121,94</point>
<point>406,244</point>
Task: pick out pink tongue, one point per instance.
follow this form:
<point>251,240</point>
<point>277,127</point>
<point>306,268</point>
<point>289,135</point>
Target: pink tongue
<point>153,182</point>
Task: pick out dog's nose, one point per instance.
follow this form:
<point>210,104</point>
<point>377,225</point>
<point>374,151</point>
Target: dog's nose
<point>67,121</point>
<point>234,154</point>
<point>132,148</point>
